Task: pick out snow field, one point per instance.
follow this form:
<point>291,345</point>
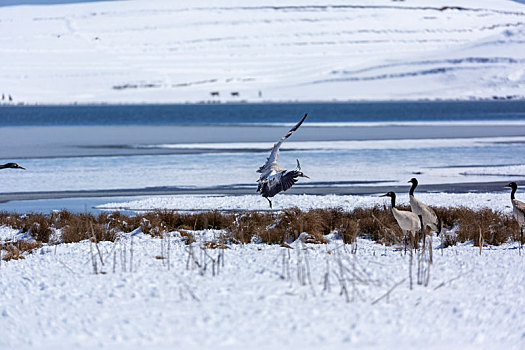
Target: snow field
<point>496,201</point>
<point>165,51</point>
<point>10,234</point>
<point>52,298</point>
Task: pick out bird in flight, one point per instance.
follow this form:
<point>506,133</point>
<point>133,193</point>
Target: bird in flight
<point>274,178</point>
<point>11,166</point>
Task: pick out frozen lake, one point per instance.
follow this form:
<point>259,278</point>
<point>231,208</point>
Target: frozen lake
<point>346,148</point>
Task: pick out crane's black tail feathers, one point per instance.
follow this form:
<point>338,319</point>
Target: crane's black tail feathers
<point>440,226</point>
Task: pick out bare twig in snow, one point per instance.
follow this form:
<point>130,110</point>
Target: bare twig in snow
<point>387,294</point>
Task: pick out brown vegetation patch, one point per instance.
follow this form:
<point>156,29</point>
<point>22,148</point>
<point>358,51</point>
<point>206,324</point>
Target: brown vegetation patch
<point>169,220</point>
<point>15,250</point>
<point>496,227</point>
<point>87,226</point>
<point>187,237</point>
<point>252,224</point>
<point>375,223</point>
<point>215,245</point>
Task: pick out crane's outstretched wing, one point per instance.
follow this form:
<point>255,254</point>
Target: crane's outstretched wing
<point>278,183</point>
<point>274,155</point>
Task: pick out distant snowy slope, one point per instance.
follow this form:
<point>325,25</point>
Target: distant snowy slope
<point>177,51</point>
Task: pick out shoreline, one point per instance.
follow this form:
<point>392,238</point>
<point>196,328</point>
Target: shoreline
<point>495,98</point>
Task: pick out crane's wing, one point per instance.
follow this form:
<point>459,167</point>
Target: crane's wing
<point>520,205</point>
<point>420,208</point>
<point>289,179</point>
<point>278,183</point>
<point>274,155</point>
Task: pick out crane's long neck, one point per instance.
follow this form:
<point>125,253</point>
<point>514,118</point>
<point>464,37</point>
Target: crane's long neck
<point>414,185</point>
<point>393,201</point>
<point>512,192</point>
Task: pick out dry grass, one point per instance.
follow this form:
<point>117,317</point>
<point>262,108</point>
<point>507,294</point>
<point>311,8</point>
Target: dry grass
<point>378,224</point>
<point>168,220</point>
<point>188,237</point>
<point>496,227</point>
<point>252,224</point>
<point>15,250</point>
<point>292,222</point>
<point>215,245</point>
<point>349,230</point>
<point>9,219</point>
<point>87,226</point>
<point>375,223</point>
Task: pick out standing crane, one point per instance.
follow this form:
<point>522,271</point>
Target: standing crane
<point>518,209</point>
<point>430,219</point>
<point>407,220</point>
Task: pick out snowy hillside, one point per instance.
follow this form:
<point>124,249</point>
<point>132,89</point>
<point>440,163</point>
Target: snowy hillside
<point>177,51</point>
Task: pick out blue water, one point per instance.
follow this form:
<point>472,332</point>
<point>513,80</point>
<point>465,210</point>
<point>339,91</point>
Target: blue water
<point>227,114</point>
<point>122,148</point>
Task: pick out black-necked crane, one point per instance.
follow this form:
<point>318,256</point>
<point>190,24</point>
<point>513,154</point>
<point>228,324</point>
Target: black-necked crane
<point>430,219</point>
<point>274,178</point>
<point>407,220</point>
<point>11,166</point>
<point>518,209</point>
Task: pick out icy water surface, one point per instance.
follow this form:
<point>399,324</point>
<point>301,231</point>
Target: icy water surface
<point>77,150</point>
<point>268,113</point>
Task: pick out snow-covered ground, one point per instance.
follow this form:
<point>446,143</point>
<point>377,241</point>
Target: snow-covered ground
<point>258,300</point>
<point>261,296</point>
<point>8,234</point>
<point>178,51</point>
<point>496,201</point>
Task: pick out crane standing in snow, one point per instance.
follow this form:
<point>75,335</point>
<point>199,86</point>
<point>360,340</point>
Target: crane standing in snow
<point>274,178</point>
<point>429,216</point>
<point>409,221</point>
<point>518,209</point>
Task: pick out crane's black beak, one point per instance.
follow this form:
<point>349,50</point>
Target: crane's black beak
<point>19,167</point>
<point>507,185</point>
<point>384,195</point>
<point>303,175</point>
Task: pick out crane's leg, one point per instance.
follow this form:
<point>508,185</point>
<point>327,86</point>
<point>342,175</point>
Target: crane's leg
<point>269,201</point>
<point>405,241</point>
<point>521,238</point>
<point>421,232</point>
